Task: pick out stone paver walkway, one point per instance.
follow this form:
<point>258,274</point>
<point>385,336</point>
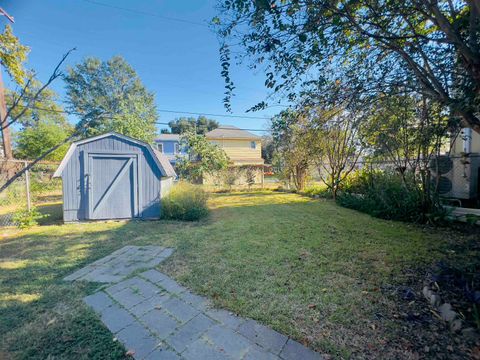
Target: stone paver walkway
<point>156,318</point>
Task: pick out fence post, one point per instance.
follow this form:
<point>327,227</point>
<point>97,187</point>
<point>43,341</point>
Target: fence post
<point>27,187</point>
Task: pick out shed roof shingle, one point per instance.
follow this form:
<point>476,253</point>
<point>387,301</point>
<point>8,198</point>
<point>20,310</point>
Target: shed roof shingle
<point>167,167</point>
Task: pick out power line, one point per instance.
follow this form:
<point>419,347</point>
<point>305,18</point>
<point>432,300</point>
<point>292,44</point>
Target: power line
<point>210,114</point>
<point>157,122</point>
<point>141,12</point>
<point>225,128</point>
<point>159,110</point>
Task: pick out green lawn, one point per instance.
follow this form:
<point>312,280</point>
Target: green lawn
<point>309,268</point>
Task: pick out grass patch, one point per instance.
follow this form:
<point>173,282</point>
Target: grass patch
<point>308,268</point>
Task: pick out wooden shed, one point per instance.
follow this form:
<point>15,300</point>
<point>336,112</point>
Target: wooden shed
<point>113,176</point>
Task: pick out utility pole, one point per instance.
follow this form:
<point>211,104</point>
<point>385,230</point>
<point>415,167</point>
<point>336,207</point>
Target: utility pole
<point>7,141</point>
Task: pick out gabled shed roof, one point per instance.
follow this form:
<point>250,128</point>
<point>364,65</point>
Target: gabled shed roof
<point>161,161</point>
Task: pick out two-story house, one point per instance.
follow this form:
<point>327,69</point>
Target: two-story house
<point>244,150</point>
<point>169,145</point>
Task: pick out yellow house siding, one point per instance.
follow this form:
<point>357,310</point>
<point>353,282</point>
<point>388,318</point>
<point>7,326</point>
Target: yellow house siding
<point>457,145</point>
<point>241,150</point>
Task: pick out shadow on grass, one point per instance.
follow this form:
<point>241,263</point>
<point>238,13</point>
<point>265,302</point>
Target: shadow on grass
<point>43,316</point>
<point>53,212</point>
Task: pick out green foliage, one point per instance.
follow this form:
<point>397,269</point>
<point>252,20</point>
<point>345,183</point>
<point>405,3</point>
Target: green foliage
<point>203,158</point>
<point>357,49</point>
<point>318,190</point>
<point>43,124</point>
<point>13,55</point>
<point>111,97</point>
<point>268,149</point>
<point>292,141</point>
<point>185,202</point>
<point>201,125</point>
<point>25,219</point>
<point>385,195</point>
<point>33,141</point>
<point>404,127</point>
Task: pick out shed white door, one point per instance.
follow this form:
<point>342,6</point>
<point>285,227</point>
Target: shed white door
<point>112,186</point>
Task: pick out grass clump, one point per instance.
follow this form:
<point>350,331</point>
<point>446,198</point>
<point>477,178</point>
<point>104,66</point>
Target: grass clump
<point>27,218</point>
<point>185,202</point>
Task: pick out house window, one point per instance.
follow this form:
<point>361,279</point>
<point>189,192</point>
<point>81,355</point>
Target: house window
<point>158,146</point>
<point>177,148</point>
<point>253,145</point>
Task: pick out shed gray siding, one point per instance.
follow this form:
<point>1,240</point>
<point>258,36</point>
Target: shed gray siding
<point>73,176</point>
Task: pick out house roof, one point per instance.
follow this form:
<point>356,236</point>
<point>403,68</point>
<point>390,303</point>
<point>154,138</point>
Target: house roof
<point>230,132</point>
<point>160,160</point>
<point>168,137</point>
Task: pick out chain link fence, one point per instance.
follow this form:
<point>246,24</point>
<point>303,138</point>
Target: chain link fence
<point>35,188</point>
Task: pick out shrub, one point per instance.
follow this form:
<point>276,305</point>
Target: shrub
<point>25,219</point>
<point>185,202</point>
<point>384,194</point>
<point>318,191</point>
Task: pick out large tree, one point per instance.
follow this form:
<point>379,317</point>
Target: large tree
<point>109,96</point>
<point>42,126</point>
<point>200,125</point>
<point>33,141</point>
<point>360,48</point>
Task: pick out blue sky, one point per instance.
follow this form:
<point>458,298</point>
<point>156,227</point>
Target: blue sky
<point>177,60</point>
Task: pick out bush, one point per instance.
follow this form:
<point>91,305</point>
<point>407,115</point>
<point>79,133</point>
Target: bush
<point>25,219</point>
<point>318,191</point>
<point>185,202</point>
<point>385,195</point>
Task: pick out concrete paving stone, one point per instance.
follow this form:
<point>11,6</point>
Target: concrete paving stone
<point>159,322</point>
<point>123,271</point>
<point>145,306</point>
<point>128,297</point>
<point>189,332</point>
<point>201,350</point>
<point>77,274</point>
<point>168,312</point>
<point>257,353</point>
<point>146,288</point>
<point>226,318</point>
<point>137,339</point>
<point>228,341</point>
<point>152,262</point>
<point>166,252</point>
<point>154,276</point>
<point>116,318</point>
<point>267,338</point>
<point>162,354</point>
<point>101,278</point>
<point>98,301</point>
<point>120,286</point>
<point>293,350</point>
<point>172,286</point>
<point>197,301</point>
<point>180,310</point>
